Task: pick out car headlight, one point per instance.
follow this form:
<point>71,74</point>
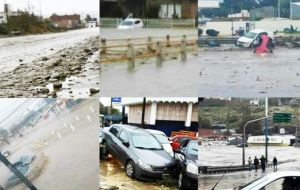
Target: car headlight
<point>145,166</point>
<point>192,168</point>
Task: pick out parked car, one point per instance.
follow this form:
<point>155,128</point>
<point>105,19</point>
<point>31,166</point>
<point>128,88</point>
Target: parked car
<point>163,139</point>
<point>138,151</point>
<point>13,179</point>
<point>131,23</point>
<point>251,38</point>
<point>188,178</point>
<point>26,159</point>
<point>283,180</point>
<point>180,141</point>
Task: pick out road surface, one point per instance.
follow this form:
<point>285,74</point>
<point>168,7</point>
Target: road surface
<point>32,65</point>
<point>240,73</point>
<point>231,155</point>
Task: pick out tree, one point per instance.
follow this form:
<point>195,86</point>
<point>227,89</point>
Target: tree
<point>4,135</point>
<point>88,18</point>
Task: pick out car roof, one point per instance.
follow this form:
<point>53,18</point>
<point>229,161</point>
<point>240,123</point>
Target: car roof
<point>130,128</point>
<point>272,177</point>
<point>152,131</point>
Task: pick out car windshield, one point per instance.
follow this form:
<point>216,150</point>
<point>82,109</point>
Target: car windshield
<point>144,141</point>
<point>193,148</point>
<point>251,35</point>
<point>126,23</point>
<point>162,138</point>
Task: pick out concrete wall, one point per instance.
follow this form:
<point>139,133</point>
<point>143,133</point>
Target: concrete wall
<point>271,25</point>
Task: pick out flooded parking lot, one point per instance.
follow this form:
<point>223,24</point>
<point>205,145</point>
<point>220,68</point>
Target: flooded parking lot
<point>112,176</point>
<point>242,73</point>
<point>52,141</point>
<point>231,155</point>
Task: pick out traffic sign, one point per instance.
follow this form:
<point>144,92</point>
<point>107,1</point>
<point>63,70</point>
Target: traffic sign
<point>282,117</point>
<point>116,100</point>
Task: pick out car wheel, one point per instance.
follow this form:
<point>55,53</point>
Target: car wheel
<point>103,150</point>
<point>181,185</point>
<point>130,169</point>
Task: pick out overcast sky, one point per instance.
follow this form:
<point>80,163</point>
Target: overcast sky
<point>48,7</point>
<point>11,110</point>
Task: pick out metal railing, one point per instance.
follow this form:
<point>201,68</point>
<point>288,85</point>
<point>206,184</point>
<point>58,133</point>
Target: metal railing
<point>120,50</point>
<point>152,23</point>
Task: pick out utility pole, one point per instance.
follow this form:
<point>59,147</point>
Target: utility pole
<point>278,6</point>
<point>266,128</point>
<point>291,9</point>
<point>143,112</point>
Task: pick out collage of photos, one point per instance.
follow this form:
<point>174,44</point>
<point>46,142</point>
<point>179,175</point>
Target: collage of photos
<point>149,94</point>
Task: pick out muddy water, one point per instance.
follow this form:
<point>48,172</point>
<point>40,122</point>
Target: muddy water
<point>231,155</point>
<point>113,174</point>
<point>244,74</point>
<point>79,86</point>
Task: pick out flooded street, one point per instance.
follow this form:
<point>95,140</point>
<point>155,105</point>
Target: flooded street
<point>171,77</point>
<point>231,155</point>
<point>112,175</point>
<point>69,70</point>
<point>65,148</point>
<point>242,73</point>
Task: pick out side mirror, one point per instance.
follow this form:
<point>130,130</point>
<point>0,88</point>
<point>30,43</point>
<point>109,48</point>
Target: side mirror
<point>125,143</point>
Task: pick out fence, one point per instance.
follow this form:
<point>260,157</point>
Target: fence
<point>152,23</point>
<point>120,50</point>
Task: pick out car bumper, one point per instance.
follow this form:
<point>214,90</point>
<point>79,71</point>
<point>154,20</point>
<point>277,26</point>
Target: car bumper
<point>190,180</point>
<point>146,175</point>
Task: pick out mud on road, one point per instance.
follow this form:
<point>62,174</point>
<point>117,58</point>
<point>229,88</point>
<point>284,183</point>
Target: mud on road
<point>60,75</point>
<point>112,176</point>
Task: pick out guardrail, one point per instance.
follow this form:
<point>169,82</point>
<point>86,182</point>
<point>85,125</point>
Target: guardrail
<point>152,23</point>
<point>226,169</point>
<point>130,50</point>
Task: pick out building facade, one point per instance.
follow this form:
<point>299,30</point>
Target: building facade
<point>166,116</point>
<point>66,21</point>
<point>185,9</point>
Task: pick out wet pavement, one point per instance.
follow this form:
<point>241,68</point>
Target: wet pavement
<point>68,168</point>
<point>231,155</point>
<point>69,61</point>
<point>112,176</point>
<point>240,73</point>
<point>171,77</point>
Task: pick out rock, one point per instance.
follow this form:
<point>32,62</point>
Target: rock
<point>57,85</point>
<point>47,77</point>
<point>20,60</point>
<point>44,90</point>
<point>55,75</point>
<point>53,80</point>
<point>93,90</point>
<point>45,58</point>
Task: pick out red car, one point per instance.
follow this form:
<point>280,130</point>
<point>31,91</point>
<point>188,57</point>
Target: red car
<point>179,141</point>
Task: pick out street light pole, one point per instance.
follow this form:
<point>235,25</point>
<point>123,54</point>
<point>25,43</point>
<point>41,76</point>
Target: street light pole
<point>266,128</point>
<point>278,6</point>
<point>244,134</point>
<point>291,9</point>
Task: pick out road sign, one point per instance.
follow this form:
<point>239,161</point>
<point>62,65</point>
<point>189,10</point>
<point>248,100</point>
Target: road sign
<point>282,117</point>
<point>116,100</point>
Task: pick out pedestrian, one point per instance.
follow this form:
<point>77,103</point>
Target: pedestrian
<point>263,163</point>
<point>256,162</point>
<point>250,163</point>
<point>275,164</point>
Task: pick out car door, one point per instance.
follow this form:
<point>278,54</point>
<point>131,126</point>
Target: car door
<point>123,150</point>
<point>112,140</point>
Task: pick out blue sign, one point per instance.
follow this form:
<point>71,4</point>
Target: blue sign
<point>116,100</point>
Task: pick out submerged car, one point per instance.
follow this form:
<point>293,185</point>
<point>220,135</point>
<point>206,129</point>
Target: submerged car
<point>188,178</point>
<point>138,151</point>
<point>283,180</point>
<point>131,23</point>
<point>13,179</point>
<point>163,139</point>
<point>250,39</point>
